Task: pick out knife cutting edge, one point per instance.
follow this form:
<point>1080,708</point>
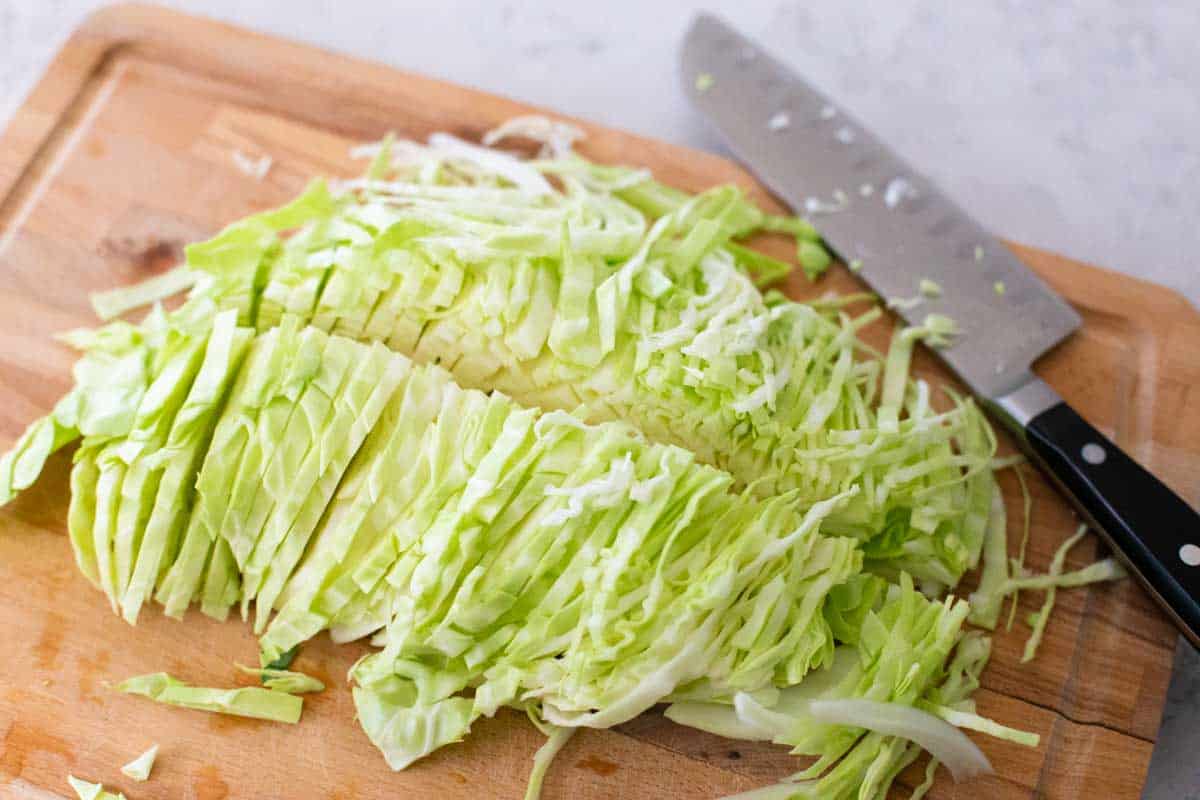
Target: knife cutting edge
<point>901,233</point>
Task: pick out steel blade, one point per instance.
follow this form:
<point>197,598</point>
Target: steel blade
<point>875,210</point>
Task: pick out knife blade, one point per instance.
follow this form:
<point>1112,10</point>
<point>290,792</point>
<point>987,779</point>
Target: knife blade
<point>902,234</point>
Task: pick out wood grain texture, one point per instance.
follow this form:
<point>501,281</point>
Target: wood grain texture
<point>123,153</point>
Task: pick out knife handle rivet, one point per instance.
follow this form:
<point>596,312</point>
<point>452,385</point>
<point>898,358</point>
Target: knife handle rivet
<point>1190,554</point>
<point>1093,454</point>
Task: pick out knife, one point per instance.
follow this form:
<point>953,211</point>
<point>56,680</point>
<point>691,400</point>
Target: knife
<point>897,229</point>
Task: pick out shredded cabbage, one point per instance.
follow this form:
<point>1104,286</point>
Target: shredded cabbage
<point>557,138</point>
<point>944,742</point>
<point>612,294</point>
<point>537,561</point>
<point>678,490</point>
<point>972,721</point>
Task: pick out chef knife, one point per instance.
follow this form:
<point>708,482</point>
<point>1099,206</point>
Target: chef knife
<point>894,226</point>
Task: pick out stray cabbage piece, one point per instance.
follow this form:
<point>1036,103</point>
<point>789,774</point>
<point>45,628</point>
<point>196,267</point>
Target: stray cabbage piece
<point>997,583</point>
<point>139,768</point>
<point>929,288</point>
<point>283,680</point>
<point>944,742</point>
<point>557,138</point>
<point>250,701</point>
<point>114,302</point>
<point>556,739</point>
<point>86,790</point>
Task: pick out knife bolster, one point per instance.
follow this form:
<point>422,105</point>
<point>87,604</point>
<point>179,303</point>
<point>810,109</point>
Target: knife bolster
<point>1019,406</point>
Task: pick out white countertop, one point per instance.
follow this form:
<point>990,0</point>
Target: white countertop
<point>1075,128</point>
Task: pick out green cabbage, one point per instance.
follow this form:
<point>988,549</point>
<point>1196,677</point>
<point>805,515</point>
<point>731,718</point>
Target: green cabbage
<point>530,555</point>
<point>678,490</point>
<point>616,295</point>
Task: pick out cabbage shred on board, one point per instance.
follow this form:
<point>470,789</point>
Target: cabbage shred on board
<point>730,519</point>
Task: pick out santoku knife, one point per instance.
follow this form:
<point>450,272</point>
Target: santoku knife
<point>898,229</point>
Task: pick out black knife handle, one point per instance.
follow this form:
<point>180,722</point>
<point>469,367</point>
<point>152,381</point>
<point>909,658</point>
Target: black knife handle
<point>1151,526</point>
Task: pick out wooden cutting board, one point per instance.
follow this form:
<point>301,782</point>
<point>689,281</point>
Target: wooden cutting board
<point>124,152</point>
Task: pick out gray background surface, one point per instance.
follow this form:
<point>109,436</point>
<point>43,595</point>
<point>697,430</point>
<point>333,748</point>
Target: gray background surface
<point>1074,125</point>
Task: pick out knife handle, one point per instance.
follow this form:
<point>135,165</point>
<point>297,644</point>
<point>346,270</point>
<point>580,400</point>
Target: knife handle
<point>1152,527</point>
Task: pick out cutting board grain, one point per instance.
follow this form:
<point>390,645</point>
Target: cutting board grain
<point>123,153</point>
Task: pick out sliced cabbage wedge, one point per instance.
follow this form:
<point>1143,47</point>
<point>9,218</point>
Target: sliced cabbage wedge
<point>205,568</point>
<point>180,458</point>
<point>612,294</point>
<point>537,559</point>
<point>121,472</point>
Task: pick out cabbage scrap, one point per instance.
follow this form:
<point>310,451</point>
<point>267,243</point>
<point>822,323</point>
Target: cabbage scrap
<point>86,790</point>
<point>249,701</point>
<point>139,768</point>
<point>556,739</point>
<point>114,302</point>
<point>284,680</point>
